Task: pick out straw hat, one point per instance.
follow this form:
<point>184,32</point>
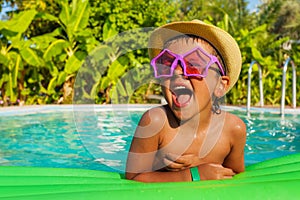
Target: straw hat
<point>222,41</point>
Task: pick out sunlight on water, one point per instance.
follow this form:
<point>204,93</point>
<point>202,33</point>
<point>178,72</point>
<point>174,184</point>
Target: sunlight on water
<point>269,136</point>
<point>101,139</point>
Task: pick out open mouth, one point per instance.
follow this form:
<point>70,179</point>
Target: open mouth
<point>181,96</point>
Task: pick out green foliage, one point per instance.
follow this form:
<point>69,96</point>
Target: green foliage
<point>15,52</point>
<point>96,50</point>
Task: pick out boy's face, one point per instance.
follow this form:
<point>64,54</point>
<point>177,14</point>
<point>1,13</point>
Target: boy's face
<point>189,96</point>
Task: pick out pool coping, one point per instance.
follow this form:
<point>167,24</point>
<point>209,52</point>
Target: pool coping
<point>19,110</point>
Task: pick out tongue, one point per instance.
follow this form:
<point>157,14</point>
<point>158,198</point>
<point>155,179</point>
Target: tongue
<point>183,98</point>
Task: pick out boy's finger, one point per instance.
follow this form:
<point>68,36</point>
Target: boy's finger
<point>172,165</point>
<point>172,156</point>
<point>227,177</point>
<point>228,172</point>
<point>185,160</point>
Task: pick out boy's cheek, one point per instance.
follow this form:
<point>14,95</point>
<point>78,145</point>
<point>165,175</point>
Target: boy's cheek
<point>165,85</point>
<point>202,89</point>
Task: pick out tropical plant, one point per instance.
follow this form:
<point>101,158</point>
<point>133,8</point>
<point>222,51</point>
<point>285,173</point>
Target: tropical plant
<point>53,48</point>
<point>117,24</point>
<point>68,45</point>
<point>282,18</point>
<point>17,53</point>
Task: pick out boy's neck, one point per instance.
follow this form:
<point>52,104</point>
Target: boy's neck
<point>201,120</point>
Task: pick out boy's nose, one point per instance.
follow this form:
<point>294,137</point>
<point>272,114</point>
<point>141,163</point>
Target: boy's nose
<point>179,69</point>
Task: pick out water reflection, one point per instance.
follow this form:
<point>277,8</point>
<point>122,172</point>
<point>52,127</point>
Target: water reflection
<point>270,136</point>
<point>42,139</point>
<point>100,140</point>
<point>108,139</point>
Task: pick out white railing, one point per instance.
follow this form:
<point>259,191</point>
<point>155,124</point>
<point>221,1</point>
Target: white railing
<point>284,70</point>
<point>260,85</point>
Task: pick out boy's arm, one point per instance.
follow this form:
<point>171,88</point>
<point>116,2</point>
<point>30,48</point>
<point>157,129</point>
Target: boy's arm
<point>144,147</point>
<point>235,159</point>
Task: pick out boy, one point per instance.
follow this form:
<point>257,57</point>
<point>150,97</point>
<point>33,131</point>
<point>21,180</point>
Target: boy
<point>190,138</point>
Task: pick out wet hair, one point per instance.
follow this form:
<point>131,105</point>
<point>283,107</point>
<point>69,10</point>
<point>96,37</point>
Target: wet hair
<point>216,106</point>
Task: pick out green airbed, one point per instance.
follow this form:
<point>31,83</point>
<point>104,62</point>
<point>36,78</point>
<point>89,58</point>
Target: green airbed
<point>273,179</point>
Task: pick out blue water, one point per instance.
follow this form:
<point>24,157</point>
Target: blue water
<point>96,138</point>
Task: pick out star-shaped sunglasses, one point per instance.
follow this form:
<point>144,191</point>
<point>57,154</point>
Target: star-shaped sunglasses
<point>194,63</point>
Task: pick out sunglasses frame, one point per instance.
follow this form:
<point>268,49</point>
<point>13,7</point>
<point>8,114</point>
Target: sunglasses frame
<point>179,57</point>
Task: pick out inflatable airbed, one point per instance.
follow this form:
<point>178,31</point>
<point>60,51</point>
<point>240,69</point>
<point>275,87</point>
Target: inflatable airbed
<point>277,178</point>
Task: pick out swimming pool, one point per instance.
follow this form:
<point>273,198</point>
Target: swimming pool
<point>98,137</point>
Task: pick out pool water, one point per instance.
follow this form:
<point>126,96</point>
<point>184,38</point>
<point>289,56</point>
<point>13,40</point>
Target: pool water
<point>99,137</point>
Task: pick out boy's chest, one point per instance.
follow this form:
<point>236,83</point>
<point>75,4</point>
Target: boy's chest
<point>183,143</point>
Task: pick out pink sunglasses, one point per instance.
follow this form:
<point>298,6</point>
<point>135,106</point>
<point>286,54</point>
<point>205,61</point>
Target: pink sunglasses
<point>194,63</point>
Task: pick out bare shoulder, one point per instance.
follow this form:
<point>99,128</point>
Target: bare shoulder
<point>153,116</point>
<point>151,123</point>
<point>235,126</point>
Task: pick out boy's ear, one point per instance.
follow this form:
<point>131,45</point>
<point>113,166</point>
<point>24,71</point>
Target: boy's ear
<point>222,86</point>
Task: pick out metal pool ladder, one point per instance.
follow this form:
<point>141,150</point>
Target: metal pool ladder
<point>260,85</point>
<point>284,70</point>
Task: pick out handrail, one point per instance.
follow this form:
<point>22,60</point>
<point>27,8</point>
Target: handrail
<point>260,85</point>
<point>284,70</point>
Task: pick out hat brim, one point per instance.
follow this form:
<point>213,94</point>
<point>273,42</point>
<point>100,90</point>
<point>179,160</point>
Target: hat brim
<point>222,41</point>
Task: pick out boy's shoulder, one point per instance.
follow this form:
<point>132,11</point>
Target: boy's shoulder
<point>154,115</point>
<point>232,118</point>
<point>235,125</point>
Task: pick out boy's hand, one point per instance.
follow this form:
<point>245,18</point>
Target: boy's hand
<point>209,171</point>
<point>176,163</point>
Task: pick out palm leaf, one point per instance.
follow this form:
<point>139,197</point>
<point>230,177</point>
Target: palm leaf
<point>21,22</point>
<point>80,15</point>
<point>31,57</point>
<point>55,48</point>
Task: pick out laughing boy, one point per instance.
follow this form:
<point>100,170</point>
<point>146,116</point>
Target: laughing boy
<point>190,138</point>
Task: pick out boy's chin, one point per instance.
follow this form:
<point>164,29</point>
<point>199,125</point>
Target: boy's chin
<point>186,113</point>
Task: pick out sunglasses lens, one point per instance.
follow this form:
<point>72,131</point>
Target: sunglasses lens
<point>196,62</point>
<point>164,63</point>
